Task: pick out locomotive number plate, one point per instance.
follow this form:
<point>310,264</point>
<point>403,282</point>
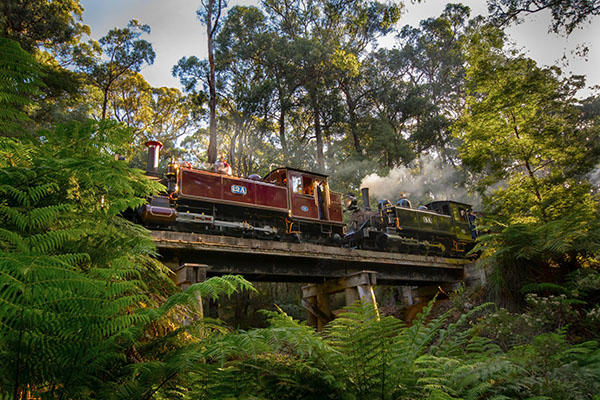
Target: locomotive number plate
<point>304,208</point>
<point>427,220</point>
<point>238,189</point>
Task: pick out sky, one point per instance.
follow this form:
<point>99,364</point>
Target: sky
<point>177,33</point>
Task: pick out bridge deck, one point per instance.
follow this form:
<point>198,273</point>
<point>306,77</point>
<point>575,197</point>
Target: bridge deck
<point>263,260</point>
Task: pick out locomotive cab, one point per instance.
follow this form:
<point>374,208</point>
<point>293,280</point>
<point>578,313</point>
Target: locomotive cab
<point>309,196</point>
<point>459,213</point>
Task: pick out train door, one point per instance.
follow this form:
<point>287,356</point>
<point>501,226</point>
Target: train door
<point>307,196</point>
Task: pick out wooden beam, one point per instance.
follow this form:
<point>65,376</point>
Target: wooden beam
<point>339,285</point>
<point>271,261</point>
<point>188,274</point>
<point>203,242</point>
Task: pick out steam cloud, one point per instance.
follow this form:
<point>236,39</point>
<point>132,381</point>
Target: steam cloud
<point>429,180</point>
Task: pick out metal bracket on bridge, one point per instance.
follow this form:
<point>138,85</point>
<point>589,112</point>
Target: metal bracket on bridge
<point>315,297</point>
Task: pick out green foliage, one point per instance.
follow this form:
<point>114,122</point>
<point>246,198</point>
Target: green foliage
<point>363,356</point>
<point>70,269</point>
<point>520,132</point>
<point>20,80</point>
<point>557,370</point>
<point>125,52</point>
<point>188,353</point>
<point>523,253</point>
<point>43,24</point>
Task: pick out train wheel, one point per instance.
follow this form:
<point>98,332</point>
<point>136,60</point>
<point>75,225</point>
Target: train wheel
<point>336,240</point>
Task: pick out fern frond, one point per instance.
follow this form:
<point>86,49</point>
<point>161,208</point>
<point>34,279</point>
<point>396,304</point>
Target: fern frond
<point>210,289</point>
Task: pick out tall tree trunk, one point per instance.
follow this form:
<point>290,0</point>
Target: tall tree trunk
<point>283,111</point>
<point>240,147</point>
<point>105,102</point>
<point>354,127</point>
<point>351,103</point>
<point>282,138</point>
<point>318,136</point>
<point>212,102</point>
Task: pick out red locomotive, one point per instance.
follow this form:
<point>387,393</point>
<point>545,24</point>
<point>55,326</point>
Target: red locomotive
<point>287,203</point>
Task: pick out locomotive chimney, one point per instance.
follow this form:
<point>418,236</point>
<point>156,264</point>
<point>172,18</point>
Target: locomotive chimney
<point>153,153</point>
<point>365,196</point>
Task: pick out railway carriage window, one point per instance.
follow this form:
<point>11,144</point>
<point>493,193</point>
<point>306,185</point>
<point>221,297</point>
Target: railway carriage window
<point>307,182</point>
<point>296,184</point>
<point>446,209</point>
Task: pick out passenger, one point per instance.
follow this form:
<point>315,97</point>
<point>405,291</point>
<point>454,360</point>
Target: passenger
<point>422,208</point>
<point>255,177</point>
<point>472,218</point>
<point>403,202</point>
<point>222,167</point>
<point>320,198</point>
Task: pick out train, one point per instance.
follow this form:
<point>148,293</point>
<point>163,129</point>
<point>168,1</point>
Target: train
<point>297,205</point>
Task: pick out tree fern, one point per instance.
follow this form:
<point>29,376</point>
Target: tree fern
<point>523,253</point>
<point>20,79</point>
<point>365,350</point>
<point>70,271</point>
<point>50,309</point>
<point>192,354</point>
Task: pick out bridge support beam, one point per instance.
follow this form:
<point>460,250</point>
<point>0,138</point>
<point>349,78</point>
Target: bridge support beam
<point>188,274</point>
<point>315,297</point>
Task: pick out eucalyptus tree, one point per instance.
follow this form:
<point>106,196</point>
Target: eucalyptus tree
<point>124,52</point>
<point>394,105</point>
<point>566,15</point>
<point>163,114</point>
<point>41,24</point>
<point>419,86</point>
<point>209,14</point>
<point>522,130</point>
<point>130,102</point>
<point>252,53</point>
<point>323,32</point>
<point>246,87</point>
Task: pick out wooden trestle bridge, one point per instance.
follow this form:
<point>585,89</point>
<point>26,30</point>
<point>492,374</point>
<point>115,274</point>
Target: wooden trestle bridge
<point>326,269</point>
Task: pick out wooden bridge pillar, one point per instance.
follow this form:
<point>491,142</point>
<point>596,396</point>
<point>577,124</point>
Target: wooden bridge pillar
<point>315,297</point>
<point>188,274</point>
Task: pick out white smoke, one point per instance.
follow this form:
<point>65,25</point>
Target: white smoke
<point>428,179</point>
